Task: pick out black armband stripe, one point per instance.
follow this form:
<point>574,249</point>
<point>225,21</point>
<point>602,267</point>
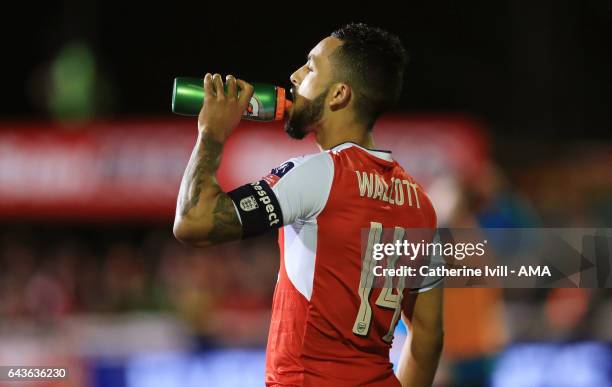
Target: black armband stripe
<point>258,208</point>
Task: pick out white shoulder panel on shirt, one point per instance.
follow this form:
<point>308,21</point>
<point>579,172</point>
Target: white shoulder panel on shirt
<point>303,186</point>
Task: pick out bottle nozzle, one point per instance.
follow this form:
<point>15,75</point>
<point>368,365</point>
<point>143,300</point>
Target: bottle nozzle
<point>282,103</point>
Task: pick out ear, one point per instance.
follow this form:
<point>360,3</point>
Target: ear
<point>341,94</point>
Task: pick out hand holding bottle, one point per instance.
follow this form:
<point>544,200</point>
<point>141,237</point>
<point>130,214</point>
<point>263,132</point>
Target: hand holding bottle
<point>222,112</point>
<point>268,102</point>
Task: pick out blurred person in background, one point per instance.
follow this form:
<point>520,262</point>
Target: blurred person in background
<point>324,331</point>
<point>474,318</point>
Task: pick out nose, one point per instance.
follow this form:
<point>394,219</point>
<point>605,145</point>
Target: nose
<point>295,78</point>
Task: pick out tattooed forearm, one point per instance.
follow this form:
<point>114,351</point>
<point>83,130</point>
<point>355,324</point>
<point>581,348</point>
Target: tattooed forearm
<point>200,171</point>
<point>204,213</point>
<point>225,222</point>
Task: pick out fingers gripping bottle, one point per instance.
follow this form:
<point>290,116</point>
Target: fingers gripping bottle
<point>267,104</point>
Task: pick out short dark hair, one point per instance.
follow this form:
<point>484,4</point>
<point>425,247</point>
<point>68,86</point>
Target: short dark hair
<point>372,61</point>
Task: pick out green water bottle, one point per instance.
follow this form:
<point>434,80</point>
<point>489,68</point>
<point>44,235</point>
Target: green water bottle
<point>267,104</point>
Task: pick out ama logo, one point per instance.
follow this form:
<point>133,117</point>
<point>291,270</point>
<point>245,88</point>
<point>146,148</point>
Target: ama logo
<point>254,107</point>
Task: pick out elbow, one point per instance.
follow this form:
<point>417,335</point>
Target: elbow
<point>179,231</point>
<point>190,233</point>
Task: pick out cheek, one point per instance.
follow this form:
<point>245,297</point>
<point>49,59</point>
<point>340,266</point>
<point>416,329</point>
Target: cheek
<point>308,88</point>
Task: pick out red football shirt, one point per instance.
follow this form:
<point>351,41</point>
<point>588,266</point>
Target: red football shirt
<point>326,330</point>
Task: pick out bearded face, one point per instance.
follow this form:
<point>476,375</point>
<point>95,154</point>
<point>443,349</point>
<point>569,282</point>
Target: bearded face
<point>305,114</point>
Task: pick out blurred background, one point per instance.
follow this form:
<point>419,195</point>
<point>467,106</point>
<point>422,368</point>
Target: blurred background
<point>504,118</point>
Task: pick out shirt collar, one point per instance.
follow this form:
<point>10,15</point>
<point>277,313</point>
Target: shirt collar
<point>381,154</point>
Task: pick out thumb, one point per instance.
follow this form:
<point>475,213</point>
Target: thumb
<point>246,92</point>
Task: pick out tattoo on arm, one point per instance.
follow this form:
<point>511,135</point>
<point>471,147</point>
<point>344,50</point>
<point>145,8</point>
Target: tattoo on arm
<point>199,181</point>
<point>225,221</point>
<point>201,170</point>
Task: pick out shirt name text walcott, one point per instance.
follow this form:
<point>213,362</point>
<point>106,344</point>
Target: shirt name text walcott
<point>397,191</point>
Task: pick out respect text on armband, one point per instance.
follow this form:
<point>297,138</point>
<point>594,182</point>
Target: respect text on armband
<point>264,199</point>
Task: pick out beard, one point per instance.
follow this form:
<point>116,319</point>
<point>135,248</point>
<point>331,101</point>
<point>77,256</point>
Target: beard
<point>305,116</point>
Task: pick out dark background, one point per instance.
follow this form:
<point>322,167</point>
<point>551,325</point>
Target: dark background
<point>537,69</point>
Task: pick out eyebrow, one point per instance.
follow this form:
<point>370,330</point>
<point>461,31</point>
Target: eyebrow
<point>311,57</point>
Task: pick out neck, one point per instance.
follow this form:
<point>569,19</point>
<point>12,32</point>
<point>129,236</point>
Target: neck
<point>328,136</point>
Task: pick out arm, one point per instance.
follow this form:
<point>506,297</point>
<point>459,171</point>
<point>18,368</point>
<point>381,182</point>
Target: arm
<point>204,213</point>
<point>420,355</point>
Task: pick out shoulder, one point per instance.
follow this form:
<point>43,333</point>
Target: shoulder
<point>302,185</point>
<point>424,202</point>
<point>314,160</point>
<point>316,165</point>
<point>428,207</point>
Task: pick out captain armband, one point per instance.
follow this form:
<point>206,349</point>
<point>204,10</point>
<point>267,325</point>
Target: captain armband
<point>258,208</point>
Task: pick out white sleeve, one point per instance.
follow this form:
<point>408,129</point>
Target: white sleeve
<point>296,190</point>
<point>302,186</point>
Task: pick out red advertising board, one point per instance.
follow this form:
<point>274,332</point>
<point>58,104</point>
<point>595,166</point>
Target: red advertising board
<point>132,169</point>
